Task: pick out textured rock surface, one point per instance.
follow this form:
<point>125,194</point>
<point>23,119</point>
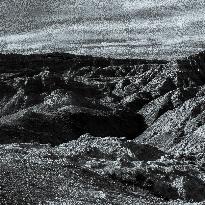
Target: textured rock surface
<point>94,170</point>
<point>150,115</point>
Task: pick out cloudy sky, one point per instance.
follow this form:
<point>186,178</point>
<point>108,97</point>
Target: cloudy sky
<point>116,28</point>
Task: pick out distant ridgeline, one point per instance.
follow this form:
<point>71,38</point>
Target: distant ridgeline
<point>62,61</point>
<point>194,65</point>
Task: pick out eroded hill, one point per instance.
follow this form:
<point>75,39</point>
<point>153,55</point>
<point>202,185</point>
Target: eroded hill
<point>145,121</point>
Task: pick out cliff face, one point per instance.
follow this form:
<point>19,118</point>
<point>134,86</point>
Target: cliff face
<point>158,106</point>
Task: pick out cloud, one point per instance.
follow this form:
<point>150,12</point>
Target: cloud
<point>102,26</point>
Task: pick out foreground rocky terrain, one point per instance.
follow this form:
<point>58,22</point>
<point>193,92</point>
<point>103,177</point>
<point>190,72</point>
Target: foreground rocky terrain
<point>84,130</point>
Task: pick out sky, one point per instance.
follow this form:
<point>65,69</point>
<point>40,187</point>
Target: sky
<point>162,29</point>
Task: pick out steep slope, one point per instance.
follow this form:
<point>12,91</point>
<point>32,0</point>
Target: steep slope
<point>176,119</point>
